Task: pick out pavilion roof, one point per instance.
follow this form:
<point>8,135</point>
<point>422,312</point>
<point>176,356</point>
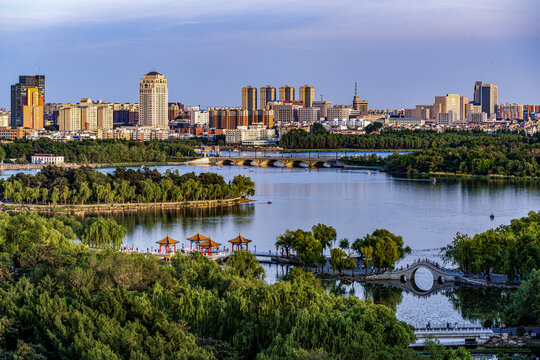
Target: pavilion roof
<point>167,241</point>
<point>197,237</point>
<point>209,243</point>
<point>240,240</point>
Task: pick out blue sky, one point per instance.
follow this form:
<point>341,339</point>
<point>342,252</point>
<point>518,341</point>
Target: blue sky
<point>401,52</point>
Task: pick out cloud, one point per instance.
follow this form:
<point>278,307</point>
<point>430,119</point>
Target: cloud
<point>323,19</point>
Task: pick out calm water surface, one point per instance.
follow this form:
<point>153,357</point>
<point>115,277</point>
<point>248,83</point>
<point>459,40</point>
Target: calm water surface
<point>355,202</point>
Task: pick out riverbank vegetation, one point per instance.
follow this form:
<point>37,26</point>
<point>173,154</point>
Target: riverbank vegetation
<point>498,157</point>
<point>99,151</point>
<point>524,307</point>
<point>54,185</point>
<point>451,152</point>
<point>62,300</point>
<point>512,250</point>
<point>381,249</point>
<point>319,138</point>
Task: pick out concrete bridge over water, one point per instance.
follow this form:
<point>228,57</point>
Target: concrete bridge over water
<point>275,161</point>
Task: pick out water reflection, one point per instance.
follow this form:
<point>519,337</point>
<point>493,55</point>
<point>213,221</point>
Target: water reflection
<point>479,304</point>
<point>384,295</point>
<point>144,227</point>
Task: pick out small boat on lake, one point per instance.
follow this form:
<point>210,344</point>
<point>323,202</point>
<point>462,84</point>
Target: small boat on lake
<point>269,202</point>
<point>492,216</point>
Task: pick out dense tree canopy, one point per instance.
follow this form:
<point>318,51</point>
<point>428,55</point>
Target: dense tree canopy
<point>61,300</point>
<point>381,248</point>
<point>394,139</point>
<point>513,250</point>
<point>100,151</point>
<point>55,185</point>
<point>496,157</point>
<point>524,307</point>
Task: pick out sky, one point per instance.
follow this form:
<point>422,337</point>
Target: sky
<point>401,52</point>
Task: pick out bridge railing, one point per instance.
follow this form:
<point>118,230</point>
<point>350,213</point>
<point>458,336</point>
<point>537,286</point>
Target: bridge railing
<point>449,327</point>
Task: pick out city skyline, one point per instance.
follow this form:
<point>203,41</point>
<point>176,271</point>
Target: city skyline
<point>400,53</point>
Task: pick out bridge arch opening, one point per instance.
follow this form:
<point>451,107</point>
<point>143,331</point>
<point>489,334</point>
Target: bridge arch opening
<point>422,279</point>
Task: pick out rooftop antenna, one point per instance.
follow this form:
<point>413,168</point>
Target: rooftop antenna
<point>355,88</point>
<point>321,95</point>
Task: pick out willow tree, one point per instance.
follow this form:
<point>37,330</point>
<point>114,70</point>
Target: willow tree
<point>100,232</point>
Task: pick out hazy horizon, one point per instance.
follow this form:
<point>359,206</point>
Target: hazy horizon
<point>401,53</point>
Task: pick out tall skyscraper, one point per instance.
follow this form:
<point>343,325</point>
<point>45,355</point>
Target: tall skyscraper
<point>153,101</point>
<point>306,94</point>
<point>32,109</point>
<point>249,98</point>
<point>286,93</point>
<point>477,86</point>
<point>489,98</point>
<point>268,93</point>
<point>19,90</point>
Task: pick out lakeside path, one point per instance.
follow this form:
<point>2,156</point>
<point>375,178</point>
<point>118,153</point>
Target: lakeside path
<point>118,207</point>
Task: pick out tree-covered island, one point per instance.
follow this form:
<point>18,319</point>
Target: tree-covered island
<point>83,186</point>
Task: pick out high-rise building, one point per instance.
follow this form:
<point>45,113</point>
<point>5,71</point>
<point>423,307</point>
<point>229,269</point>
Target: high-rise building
<point>489,98</point>
<point>308,115</point>
<point>306,94</point>
<point>463,103</point>
<point>338,112</point>
<point>510,111</point>
<point>89,120</point>
<point>153,101</point>
<point>32,109</point>
<point>445,104</point>
<point>477,86</point>
<point>69,119</point>
<point>286,93</point>
<point>323,107</point>
<point>249,98</point>
<point>174,110</point>
<point>286,112</point>
<point>268,93</point>
<point>418,113</point>
<point>447,118</point>
<point>104,117</point>
<point>19,90</point>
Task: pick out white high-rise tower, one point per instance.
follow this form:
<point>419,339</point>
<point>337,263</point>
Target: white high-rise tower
<point>153,101</point>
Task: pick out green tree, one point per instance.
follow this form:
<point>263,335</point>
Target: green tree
<point>344,244</point>
<point>103,233</point>
<point>324,234</point>
<point>245,264</point>
<point>339,260</point>
<point>524,308</point>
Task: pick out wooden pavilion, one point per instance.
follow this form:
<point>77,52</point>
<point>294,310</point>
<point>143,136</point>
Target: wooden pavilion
<point>239,241</point>
<point>208,245</point>
<point>167,242</point>
<point>197,239</point>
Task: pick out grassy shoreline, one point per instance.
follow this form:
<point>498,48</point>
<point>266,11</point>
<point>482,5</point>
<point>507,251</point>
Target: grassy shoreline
<point>115,207</point>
